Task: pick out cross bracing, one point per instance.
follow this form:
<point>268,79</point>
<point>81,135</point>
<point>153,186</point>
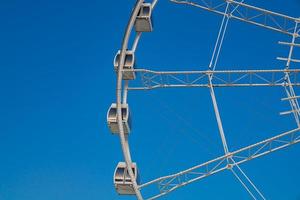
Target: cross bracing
<point>148,79</point>
<point>172,182</point>
<point>287,78</point>
<point>247,13</point>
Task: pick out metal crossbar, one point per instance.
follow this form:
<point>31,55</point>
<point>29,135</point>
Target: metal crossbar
<point>148,79</point>
<point>247,13</point>
<point>229,9</point>
<point>172,182</point>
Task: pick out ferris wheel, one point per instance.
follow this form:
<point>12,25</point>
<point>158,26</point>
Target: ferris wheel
<point>126,175</point>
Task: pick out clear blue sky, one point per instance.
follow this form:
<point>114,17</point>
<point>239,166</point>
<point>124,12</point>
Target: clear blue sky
<point>57,82</point>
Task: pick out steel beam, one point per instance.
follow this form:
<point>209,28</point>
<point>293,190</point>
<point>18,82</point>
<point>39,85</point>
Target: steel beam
<point>247,13</point>
<point>172,182</point>
<point>148,79</point>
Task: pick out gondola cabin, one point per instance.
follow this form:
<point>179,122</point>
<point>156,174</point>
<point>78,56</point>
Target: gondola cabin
<point>122,181</point>
<point>143,22</point>
<point>129,64</point>
<point>112,118</point>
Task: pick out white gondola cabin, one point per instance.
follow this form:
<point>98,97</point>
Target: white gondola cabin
<point>112,119</point>
<point>143,21</point>
<point>129,64</point>
<point>122,181</point>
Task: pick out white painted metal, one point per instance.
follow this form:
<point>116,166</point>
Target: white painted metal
<point>288,98</point>
<point>247,180</point>
<point>124,65</point>
<point>288,112</point>
<point>149,79</point>
<point>243,184</point>
<point>143,21</point>
<point>123,138</point>
<point>122,180</point>
<point>250,14</point>
<point>288,87</point>
<point>289,44</point>
<point>129,64</point>
<point>287,59</point>
<point>204,170</point>
<point>212,67</point>
<point>112,119</point>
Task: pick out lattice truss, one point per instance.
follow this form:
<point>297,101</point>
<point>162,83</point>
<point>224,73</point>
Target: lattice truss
<point>247,13</point>
<point>211,78</point>
<point>232,159</point>
<point>148,79</point>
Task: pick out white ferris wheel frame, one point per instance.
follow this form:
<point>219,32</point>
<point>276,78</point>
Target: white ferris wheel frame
<point>165,79</point>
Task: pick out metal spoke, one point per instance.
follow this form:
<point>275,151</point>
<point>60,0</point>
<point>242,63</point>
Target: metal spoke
<point>148,79</point>
<point>250,14</point>
<point>229,78</point>
<point>220,164</point>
